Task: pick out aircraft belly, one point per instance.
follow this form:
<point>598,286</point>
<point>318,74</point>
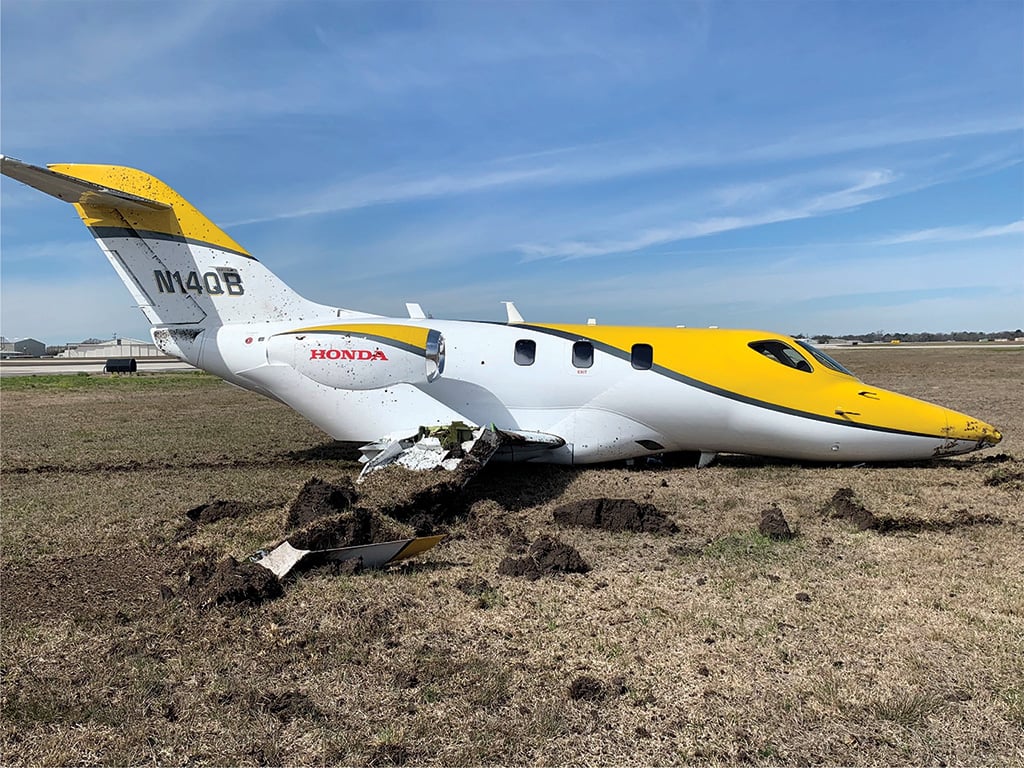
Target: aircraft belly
<point>358,415</point>
<point>762,431</point>
<point>613,423</point>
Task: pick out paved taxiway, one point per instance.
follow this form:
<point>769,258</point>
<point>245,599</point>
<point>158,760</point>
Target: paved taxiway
<point>59,367</point>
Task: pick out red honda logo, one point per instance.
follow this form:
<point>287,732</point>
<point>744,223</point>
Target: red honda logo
<point>346,354</point>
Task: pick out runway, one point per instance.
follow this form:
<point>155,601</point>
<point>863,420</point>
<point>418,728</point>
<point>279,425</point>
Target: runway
<point>56,367</point>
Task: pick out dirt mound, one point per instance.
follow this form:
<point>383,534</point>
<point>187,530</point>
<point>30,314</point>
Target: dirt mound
<point>546,556</point>
<point>587,688</point>
<point>348,529</point>
<point>426,500</point>
<point>231,582</point>
<point>844,506</point>
<point>1003,477</point>
<point>219,509</point>
<point>996,458</point>
<point>473,585</point>
<point>774,525</point>
<point>287,705</point>
<point>615,515</point>
<point>317,499</point>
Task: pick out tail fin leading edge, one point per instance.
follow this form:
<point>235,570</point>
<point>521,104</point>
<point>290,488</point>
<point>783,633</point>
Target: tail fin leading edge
<point>180,267</point>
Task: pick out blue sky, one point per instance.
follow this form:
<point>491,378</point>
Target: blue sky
<point>818,167</point>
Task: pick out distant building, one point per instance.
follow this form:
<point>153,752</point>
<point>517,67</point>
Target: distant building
<point>112,348</point>
<point>21,348</point>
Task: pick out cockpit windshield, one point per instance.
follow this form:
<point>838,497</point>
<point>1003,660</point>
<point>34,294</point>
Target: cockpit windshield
<point>824,359</point>
<point>781,353</point>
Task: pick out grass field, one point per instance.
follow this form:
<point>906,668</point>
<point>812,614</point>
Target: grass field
<point>712,645</point>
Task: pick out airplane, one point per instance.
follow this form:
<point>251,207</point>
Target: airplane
<point>567,394</point>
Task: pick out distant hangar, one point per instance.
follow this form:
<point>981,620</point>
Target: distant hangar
<point>116,347</point>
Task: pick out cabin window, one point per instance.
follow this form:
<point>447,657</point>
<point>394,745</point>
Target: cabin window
<point>782,353</point>
<point>582,354</point>
<point>526,352</point>
<point>642,357</point>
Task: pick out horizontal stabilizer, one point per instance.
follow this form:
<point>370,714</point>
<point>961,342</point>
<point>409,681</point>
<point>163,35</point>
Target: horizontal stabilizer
<point>72,190</point>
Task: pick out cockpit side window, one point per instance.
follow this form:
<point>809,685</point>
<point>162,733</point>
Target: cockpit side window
<point>824,359</point>
<point>782,353</point>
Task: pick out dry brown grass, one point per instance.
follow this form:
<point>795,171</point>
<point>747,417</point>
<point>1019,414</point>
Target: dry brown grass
<point>904,648</point>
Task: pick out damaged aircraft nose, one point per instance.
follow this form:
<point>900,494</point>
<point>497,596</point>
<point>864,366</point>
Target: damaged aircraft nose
<point>966,433</point>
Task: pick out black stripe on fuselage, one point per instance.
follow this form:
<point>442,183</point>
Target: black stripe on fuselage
<point>147,234</point>
<point>405,347</point>
<point>712,389</point>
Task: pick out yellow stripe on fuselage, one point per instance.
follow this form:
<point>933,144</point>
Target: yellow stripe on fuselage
<point>408,335</point>
<point>722,360</point>
<point>182,221</point>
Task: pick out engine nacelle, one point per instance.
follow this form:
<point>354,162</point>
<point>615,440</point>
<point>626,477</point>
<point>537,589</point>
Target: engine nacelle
<point>361,356</point>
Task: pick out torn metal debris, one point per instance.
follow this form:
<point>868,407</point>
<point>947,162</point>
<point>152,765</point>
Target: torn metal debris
<point>444,447</point>
<point>284,557</point>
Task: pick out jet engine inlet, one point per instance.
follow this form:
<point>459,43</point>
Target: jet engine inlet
<point>435,355</point>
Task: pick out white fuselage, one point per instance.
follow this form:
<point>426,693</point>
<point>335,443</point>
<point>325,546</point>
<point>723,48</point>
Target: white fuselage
<point>606,412</point>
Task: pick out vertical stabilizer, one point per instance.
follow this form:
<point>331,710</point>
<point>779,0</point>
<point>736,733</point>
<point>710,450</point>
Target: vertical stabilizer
<point>180,267</point>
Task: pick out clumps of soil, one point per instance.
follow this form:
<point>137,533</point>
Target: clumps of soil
<point>1003,477</point>
<point>323,516</point>
<point>774,524</point>
<point>615,515</point>
<point>211,512</point>
<point>587,688</point>
<point>426,500</point>
<point>478,587</point>
<point>317,499</point>
<point>219,509</point>
<point>996,458</point>
<point>844,506</point>
<point>546,556</point>
<point>231,582</point>
<point>348,529</point>
<point>287,705</point>
<point>473,585</point>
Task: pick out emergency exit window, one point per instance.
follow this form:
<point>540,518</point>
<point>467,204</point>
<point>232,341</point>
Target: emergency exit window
<point>582,354</point>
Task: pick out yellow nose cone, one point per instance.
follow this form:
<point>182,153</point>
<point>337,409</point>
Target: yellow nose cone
<point>960,426</point>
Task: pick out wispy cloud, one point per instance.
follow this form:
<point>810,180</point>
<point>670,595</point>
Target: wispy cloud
<point>607,162</point>
<point>868,187</point>
<point>954,234</point>
<point>456,149</point>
